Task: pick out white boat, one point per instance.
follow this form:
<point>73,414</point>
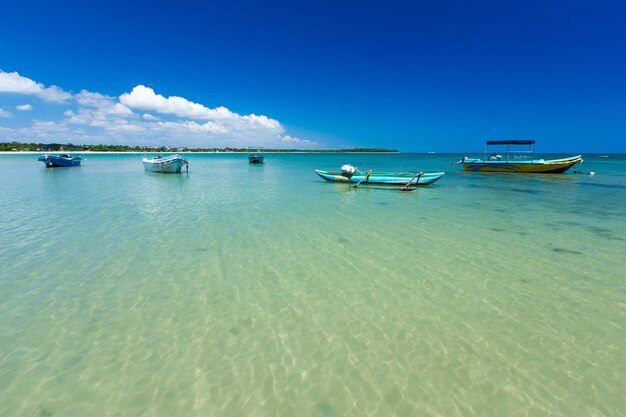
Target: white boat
<point>169,164</point>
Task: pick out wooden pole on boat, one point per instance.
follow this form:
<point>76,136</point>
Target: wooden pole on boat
<point>418,176</point>
<point>367,175</point>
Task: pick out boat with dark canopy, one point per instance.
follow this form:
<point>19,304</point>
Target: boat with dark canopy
<point>516,161</point>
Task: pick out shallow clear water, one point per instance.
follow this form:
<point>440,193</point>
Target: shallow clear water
<point>261,290</point>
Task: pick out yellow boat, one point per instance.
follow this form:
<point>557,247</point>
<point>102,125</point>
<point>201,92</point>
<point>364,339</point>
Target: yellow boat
<point>515,162</point>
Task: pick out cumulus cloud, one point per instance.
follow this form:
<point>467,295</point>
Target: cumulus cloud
<point>5,114</point>
<point>144,98</point>
<point>191,126</point>
<point>12,82</point>
<point>220,124</point>
<point>102,111</point>
<point>102,103</point>
<point>297,141</point>
<point>92,117</point>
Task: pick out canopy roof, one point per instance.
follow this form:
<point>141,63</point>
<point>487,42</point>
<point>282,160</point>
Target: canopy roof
<point>510,142</point>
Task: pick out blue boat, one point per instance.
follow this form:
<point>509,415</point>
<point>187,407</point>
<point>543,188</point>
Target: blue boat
<point>255,156</point>
<point>350,174</point>
<point>63,160</point>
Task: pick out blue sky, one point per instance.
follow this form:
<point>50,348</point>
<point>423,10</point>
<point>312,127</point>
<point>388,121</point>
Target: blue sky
<point>414,76</point>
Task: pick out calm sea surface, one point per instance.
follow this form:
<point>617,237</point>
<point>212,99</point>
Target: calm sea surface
<point>260,290</point>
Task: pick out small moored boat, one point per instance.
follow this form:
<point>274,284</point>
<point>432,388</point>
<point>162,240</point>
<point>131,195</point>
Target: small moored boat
<point>255,155</point>
<point>516,162</point>
<point>63,160</point>
<point>350,174</point>
<point>169,164</point>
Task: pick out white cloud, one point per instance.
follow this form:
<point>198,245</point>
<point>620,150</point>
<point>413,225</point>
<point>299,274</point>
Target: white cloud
<point>124,126</point>
<point>191,126</point>
<point>294,140</point>
<point>12,82</point>
<point>99,110</point>
<point>104,104</point>
<point>263,120</point>
<point>92,117</point>
<point>49,126</point>
<point>144,98</point>
<point>5,114</point>
<point>221,124</point>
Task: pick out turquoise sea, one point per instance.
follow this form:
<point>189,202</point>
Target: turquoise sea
<point>260,290</point>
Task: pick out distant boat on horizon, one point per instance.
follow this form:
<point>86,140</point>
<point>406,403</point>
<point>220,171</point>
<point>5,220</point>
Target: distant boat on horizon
<point>255,155</point>
<point>515,161</point>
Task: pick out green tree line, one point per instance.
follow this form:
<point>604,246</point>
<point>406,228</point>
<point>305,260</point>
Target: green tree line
<point>69,147</point>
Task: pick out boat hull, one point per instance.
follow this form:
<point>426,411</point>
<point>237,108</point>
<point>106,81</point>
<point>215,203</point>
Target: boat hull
<point>255,159</point>
<point>55,161</point>
<point>390,178</point>
<point>169,165</point>
<point>539,166</point>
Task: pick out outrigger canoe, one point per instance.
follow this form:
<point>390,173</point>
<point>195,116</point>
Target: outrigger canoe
<point>516,163</point>
<point>390,178</point>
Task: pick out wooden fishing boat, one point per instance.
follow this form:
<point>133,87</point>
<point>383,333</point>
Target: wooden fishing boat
<point>516,162</point>
<point>388,178</point>
<point>64,160</point>
<point>255,156</point>
<point>169,164</point>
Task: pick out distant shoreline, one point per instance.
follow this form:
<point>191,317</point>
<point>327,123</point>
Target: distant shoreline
<point>191,152</point>
<point>598,154</point>
<point>17,147</point>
